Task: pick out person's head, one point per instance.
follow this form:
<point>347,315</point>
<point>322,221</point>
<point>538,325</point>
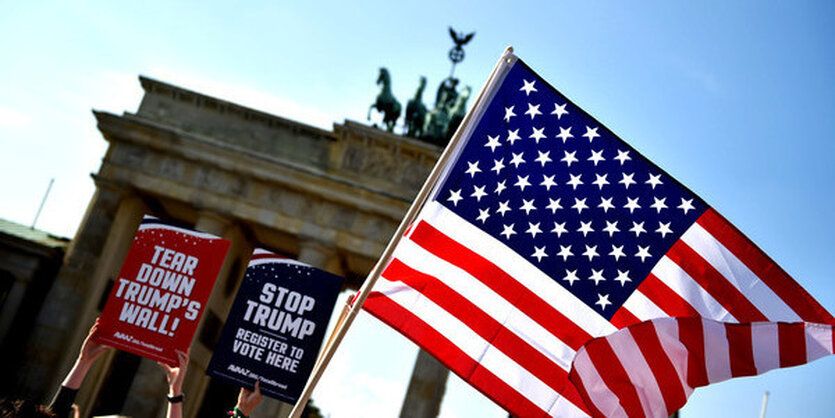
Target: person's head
<point>22,408</point>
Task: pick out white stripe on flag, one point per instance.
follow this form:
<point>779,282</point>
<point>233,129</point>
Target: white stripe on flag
<point>639,372</point>
<point>642,307</point>
<point>598,392</point>
<point>765,340</point>
<point>680,282</point>
<point>818,341</point>
<point>717,354</point>
<point>667,331</point>
<point>564,408</point>
<point>738,274</point>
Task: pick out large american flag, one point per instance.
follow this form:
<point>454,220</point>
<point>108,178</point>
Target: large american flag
<point>561,273</point>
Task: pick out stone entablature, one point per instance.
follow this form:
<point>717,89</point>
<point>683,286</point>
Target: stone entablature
<point>348,188</point>
<point>390,163</point>
<point>227,122</point>
<point>366,156</point>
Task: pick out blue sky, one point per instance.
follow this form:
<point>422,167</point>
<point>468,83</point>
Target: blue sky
<point>735,99</point>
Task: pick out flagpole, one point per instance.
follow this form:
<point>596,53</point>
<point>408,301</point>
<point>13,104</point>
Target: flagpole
<point>339,322</point>
<point>345,321</point>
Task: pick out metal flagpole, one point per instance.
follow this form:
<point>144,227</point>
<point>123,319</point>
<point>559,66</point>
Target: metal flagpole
<point>339,331</point>
<point>765,404</point>
<point>339,322</point>
<point>40,208</point>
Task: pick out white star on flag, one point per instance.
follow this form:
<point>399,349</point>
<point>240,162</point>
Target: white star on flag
<point>533,110</point>
<point>559,110</point>
<point>528,87</point>
<point>591,133</point>
<point>508,113</point>
<point>493,143</point>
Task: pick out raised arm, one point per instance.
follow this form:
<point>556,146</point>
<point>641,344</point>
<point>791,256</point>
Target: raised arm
<point>247,401</point>
<point>175,377</point>
<point>90,350</point>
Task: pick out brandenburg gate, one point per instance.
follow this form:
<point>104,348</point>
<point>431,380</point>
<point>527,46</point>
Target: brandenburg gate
<point>328,198</point>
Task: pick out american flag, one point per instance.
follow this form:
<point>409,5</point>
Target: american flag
<point>547,234</point>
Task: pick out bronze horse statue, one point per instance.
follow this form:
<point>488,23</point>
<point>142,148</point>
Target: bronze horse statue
<point>457,112</point>
<point>416,112</point>
<point>386,103</point>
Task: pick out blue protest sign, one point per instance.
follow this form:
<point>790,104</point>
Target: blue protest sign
<point>276,326</point>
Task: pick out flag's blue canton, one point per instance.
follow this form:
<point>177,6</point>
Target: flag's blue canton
<point>545,178</point>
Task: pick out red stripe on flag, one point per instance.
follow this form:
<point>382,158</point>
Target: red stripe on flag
<point>614,376</point>
<point>665,298</point>
<point>484,325</point>
<point>792,340</point>
<point>574,377</point>
<point>623,318</point>
<point>500,282</point>
<point>646,337</point>
<point>740,350</point>
<point>450,355</point>
<point>714,283</point>
<point>408,229</point>
<point>766,269</point>
<point>691,334</point>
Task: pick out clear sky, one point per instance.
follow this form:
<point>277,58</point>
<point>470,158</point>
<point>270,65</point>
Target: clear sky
<point>735,99</point>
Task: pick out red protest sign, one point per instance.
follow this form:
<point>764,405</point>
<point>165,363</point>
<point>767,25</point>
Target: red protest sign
<point>161,291</point>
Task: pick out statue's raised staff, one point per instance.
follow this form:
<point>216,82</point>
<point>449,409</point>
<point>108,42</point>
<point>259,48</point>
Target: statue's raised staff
<point>456,54</point>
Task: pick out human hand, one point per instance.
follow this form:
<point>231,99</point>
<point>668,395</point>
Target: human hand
<point>249,399</point>
<point>91,348</point>
<point>176,375</point>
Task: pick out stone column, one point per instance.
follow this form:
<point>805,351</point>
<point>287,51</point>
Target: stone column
<point>116,246</point>
<point>146,396</point>
<point>321,256</point>
<point>426,388</point>
<point>318,255</point>
<point>53,336</point>
<point>211,222</point>
<point>11,305</point>
<point>219,304</point>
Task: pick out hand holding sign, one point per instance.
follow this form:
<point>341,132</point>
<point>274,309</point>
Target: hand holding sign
<point>176,375</point>
<point>249,399</point>
<point>90,351</point>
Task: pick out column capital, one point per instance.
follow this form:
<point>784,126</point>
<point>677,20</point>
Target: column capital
<point>315,243</point>
<point>316,253</point>
<point>212,222</point>
<point>110,185</point>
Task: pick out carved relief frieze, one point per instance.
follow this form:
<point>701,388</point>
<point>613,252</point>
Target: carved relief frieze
<point>395,164</point>
<point>131,155</point>
<point>171,167</point>
<point>208,178</point>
